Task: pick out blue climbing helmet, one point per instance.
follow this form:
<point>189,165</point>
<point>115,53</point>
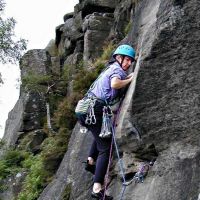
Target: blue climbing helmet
<point>125,50</point>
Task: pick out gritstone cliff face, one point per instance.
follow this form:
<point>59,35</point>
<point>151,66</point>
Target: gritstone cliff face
<point>164,103</point>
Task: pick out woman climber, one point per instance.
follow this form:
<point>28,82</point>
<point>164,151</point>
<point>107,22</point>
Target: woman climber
<point>104,90</point>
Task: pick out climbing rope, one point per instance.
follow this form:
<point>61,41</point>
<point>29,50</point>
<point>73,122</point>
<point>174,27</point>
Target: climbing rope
<point>125,183</point>
<point>139,175</point>
<point>112,124</point>
<point>121,164</point>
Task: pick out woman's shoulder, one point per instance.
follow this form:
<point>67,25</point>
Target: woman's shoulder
<point>115,67</point>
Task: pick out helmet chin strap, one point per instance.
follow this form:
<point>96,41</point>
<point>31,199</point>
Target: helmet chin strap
<point>120,63</point>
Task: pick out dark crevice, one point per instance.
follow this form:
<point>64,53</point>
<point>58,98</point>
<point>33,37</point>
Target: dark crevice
<point>147,154</point>
<point>58,35</point>
<point>89,9</point>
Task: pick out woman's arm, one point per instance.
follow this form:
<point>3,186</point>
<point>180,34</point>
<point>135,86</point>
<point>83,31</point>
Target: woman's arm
<point>117,83</point>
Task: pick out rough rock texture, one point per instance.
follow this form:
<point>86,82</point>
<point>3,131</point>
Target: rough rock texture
<point>96,27</point>
<point>13,185</point>
<point>36,61</point>
<point>123,17</point>
<point>166,104</point>
<point>162,102</point>
<point>71,169</point>
<point>90,6</point>
<point>165,107</point>
<point>51,48</point>
<point>29,111</point>
<point>174,84</point>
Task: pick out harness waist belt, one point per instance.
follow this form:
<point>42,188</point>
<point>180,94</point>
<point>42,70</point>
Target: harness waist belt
<point>92,95</point>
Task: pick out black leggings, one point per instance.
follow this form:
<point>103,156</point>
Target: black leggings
<point>100,149</point>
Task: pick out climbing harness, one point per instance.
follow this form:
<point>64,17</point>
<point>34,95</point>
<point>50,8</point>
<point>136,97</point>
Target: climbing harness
<point>106,128</point>
<point>85,107</point>
<point>85,112</point>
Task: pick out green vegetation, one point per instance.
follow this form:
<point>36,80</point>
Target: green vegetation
<point>82,79</point>
<point>127,28</point>
<point>53,150</point>
<point>2,143</point>
<point>35,180</point>
<point>41,167</point>
<point>67,192</point>
<point>11,49</point>
<point>31,82</point>
<point>12,162</point>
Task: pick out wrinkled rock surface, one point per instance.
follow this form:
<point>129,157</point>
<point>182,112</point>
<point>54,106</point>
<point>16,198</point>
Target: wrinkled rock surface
<point>96,27</point>
<point>165,107</point>
<point>29,111</point>
<point>159,118</point>
<point>13,185</point>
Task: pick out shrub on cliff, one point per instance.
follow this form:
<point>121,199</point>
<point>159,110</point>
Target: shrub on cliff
<point>11,50</point>
<point>12,162</point>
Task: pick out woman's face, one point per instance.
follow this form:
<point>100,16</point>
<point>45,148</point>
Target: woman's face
<point>127,61</point>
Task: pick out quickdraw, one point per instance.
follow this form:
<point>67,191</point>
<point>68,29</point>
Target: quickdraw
<point>90,118</point>
<point>106,130</point>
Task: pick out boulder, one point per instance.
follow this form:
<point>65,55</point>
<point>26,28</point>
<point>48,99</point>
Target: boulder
<point>68,16</point>
<point>96,27</point>
<point>30,110</point>
<point>51,48</point>
<point>123,17</point>
<point>36,61</point>
<point>67,36</point>
<point>90,6</point>
<point>13,186</point>
<point>32,141</point>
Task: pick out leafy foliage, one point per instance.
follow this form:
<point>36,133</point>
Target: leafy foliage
<point>2,5</point>
<point>84,77</point>
<point>12,162</point>
<point>66,194</point>
<point>53,150</point>
<point>127,28</point>
<point>64,116</point>
<point>35,180</point>
<point>11,50</point>
<point>40,168</point>
<point>36,82</point>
